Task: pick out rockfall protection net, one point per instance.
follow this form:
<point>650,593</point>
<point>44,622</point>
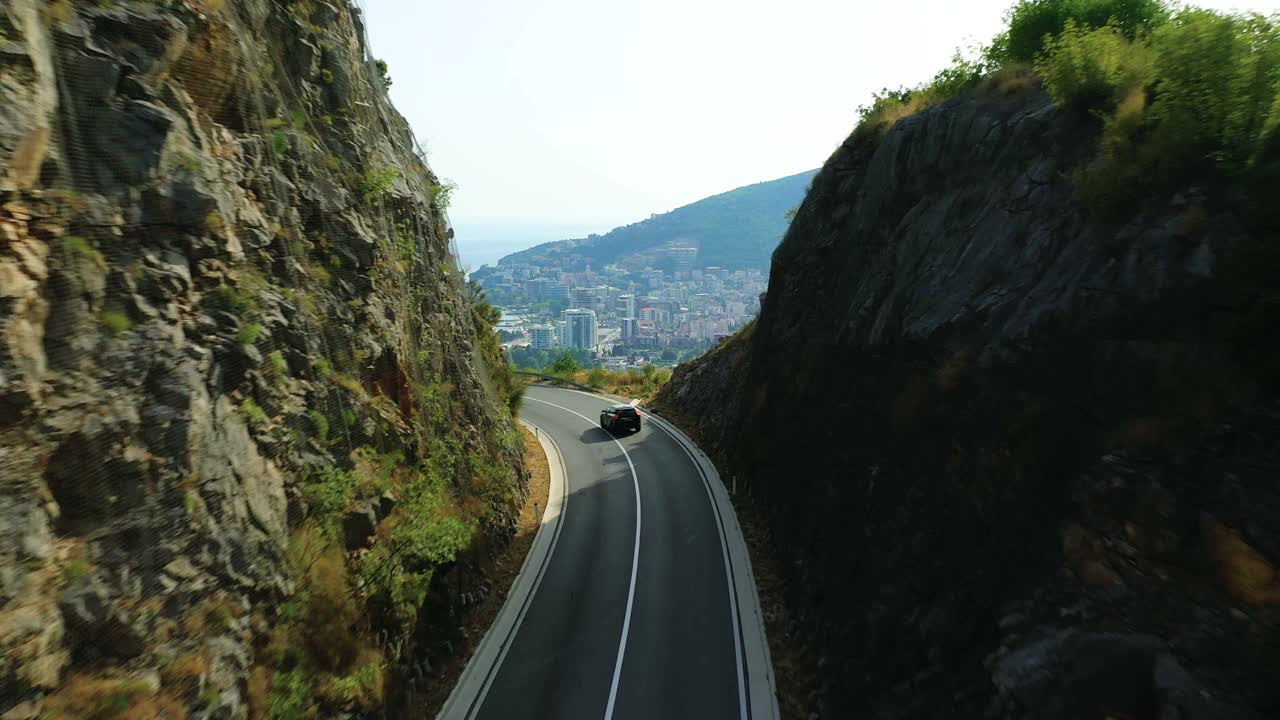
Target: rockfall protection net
<point>250,412</point>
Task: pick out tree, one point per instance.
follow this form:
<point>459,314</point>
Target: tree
<point>566,365</point>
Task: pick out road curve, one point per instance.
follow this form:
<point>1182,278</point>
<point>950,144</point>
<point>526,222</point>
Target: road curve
<point>636,601</point>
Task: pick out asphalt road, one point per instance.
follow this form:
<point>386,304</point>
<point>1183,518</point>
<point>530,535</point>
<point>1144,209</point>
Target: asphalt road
<point>619,628</point>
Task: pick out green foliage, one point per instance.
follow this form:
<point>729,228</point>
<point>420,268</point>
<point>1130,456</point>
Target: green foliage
<point>326,75</point>
<point>322,366</point>
<point>515,398</point>
<point>378,182</point>
<point>249,333</point>
<point>1216,90</point>
<point>1092,67</point>
<point>597,376</point>
<point>406,242</point>
<point>273,123</point>
<point>320,424</point>
<point>188,162</point>
<point>426,534</point>
<point>280,142</point>
<point>1032,21</point>
<point>290,697</point>
<point>279,366</point>
<point>252,411</point>
<point>114,322</point>
<point>75,568</point>
<point>319,273</point>
<point>565,365</point>
<point>85,249</point>
<point>384,73</point>
<point>239,301</point>
<point>442,194</point>
<point>327,492</point>
<point>362,688</point>
<point>888,106</point>
<point>1212,82</point>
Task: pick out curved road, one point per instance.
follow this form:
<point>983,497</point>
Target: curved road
<point>633,608</point>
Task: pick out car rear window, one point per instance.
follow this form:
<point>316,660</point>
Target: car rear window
<point>626,412</point>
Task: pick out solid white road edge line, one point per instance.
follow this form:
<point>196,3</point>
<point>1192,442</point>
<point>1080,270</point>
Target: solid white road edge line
<point>635,562</point>
<point>728,574</point>
<point>761,682</point>
<point>467,696</point>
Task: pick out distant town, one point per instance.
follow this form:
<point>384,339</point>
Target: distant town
<point>658,308</point>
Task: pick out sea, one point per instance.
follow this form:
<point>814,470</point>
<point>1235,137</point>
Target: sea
<point>486,243</point>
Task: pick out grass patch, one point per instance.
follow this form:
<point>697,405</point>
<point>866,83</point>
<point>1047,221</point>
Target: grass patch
<point>85,697</point>
<point>278,365</point>
<point>75,568</point>
<point>319,425</point>
<point>85,249</point>
<point>114,322</point>
<point>249,333</point>
<point>254,412</point>
<point>378,182</point>
<point>280,142</point>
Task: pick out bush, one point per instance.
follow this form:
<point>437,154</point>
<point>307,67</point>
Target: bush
<point>249,333</point>
<point>889,106</point>
<point>85,249</point>
<point>376,183</point>
<point>1217,78</point>
<point>319,423</point>
<point>1214,90</point>
<point>1088,67</point>
<point>114,322</point>
<point>566,365</point>
<point>1031,22</point>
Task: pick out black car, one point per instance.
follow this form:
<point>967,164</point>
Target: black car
<point>617,418</point>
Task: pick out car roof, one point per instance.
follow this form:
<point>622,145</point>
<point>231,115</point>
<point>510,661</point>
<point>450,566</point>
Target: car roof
<point>622,407</point>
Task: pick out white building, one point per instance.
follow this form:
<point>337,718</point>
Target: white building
<point>542,337</point>
<point>625,306</point>
<point>580,329</point>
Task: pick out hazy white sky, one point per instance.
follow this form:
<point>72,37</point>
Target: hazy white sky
<point>600,112</point>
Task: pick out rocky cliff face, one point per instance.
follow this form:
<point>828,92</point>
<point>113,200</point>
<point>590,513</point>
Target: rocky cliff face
<point>1012,463</point>
<point>249,412</point>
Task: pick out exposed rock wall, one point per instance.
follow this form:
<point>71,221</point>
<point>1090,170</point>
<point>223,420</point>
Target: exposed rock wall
<point>1009,460</point>
<point>224,269</point>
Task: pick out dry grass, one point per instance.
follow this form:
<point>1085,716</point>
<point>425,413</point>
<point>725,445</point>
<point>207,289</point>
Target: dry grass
<point>183,676</point>
<point>104,698</point>
<point>1247,574</point>
<point>1012,81</point>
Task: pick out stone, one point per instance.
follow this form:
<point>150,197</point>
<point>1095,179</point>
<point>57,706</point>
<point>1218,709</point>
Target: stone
<point>26,710</point>
<point>181,568</point>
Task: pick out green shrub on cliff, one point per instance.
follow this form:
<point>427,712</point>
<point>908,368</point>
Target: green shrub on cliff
<point>1033,22</point>
<point>1198,97</point>
<point>1090,67</point>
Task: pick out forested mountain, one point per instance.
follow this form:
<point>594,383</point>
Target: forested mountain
<point>735,229</point>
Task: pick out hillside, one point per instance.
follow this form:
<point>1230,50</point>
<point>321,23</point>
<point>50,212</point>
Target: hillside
<point>254,430</point>
<point>737,229</point>
<point>1009,405</point>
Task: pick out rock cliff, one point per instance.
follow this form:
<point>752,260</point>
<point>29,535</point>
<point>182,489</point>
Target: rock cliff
<point>1015,458</point>
<point>252,421</point>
